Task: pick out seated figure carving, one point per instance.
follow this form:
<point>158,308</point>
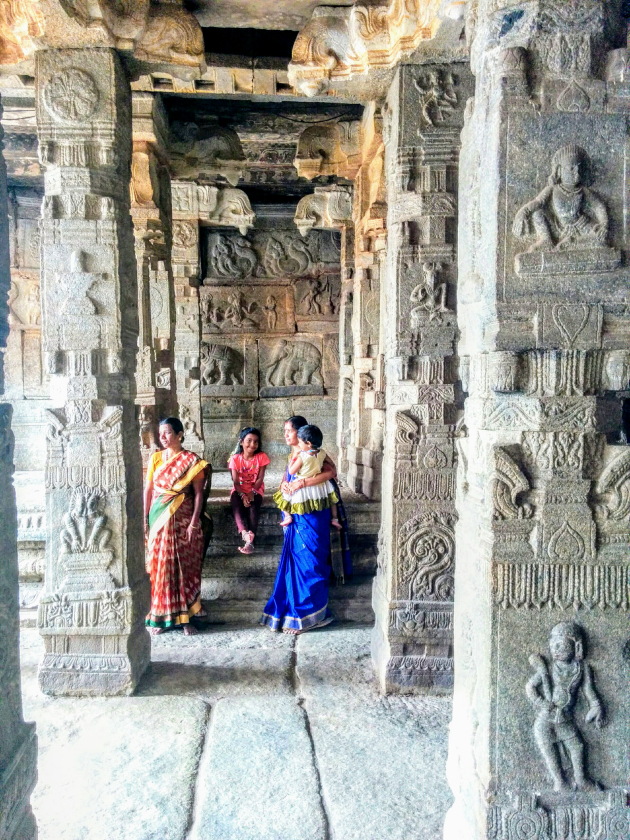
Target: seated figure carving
<point>84,524</point>
<point>553,691</point>
<point>566,214</point>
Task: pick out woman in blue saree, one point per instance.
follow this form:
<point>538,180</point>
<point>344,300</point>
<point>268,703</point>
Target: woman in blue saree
<point>299,600</point>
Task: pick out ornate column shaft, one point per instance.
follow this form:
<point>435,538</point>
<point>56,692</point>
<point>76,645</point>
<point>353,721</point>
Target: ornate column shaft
<point>151,214</point>
<point>92,613</point>
<point>18,743</point>
<point>367,416</point>
<point>541,704</point>
<point>413,590</point>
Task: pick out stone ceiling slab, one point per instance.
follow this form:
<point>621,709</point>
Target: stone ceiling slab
<point>258,14</point>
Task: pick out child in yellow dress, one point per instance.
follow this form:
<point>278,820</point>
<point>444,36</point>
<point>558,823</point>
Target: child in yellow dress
<point>306,463</point>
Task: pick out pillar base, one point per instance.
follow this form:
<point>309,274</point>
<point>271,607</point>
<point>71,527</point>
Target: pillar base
<point>103,666</point>
<point>16,785</point>
<point>407,661</point>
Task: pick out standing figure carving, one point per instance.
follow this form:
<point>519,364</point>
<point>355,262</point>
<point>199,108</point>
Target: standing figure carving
<point>271,310</point>
<point>553,691</point>
<point>566,214</point>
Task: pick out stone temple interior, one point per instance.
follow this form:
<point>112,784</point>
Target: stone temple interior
<point>408,221</point>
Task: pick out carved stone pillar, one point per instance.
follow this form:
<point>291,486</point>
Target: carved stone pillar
<point>539,735</point>
<point>18,743</point>
<point>413,591</point>
<point>367,415</point>
<point>151,214</point>
<point>92,612</point>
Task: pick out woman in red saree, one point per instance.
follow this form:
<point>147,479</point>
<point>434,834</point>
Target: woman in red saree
<point>173,502</point>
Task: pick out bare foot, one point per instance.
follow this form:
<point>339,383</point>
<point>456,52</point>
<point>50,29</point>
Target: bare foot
<point>190,630</point>
<point>248,548</point>
<point>155,631</point>
<point>290,631</point>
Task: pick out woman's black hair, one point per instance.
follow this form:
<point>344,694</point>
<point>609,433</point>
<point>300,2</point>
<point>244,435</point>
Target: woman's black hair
<point>297,421</point>
<point>248,430</point>
<point>175,423</point>
<point>312,435</point>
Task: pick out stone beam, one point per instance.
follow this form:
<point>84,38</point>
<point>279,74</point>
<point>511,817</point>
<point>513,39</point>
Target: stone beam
<point>329,149</point>
<point>155,34</point>
<point>340,42</point>
<point>18,743</point>
<point>91,615</point>
<point>541,704</point>
<point>413,590</point>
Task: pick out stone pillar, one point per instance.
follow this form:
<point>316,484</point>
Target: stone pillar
<point>186,274</point>
<point>151,214</point>
<point>413,590</point>
<point>541,704</point>
<point>367,414</point>
<point>92,612</point>
<point>18,743</point>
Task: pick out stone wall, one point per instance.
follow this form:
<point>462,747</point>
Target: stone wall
<point>269,321</point>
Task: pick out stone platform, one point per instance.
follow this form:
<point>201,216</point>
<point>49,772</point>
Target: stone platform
<point>240,733</point>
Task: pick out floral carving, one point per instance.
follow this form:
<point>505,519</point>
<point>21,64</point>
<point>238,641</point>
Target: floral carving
<point>72,95</point>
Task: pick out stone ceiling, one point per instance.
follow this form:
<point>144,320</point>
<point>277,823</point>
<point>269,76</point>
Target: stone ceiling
<point>257,14</point>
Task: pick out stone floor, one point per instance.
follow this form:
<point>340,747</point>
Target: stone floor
<point>242,734</point>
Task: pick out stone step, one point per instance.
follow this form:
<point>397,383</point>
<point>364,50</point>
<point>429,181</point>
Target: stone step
<point>350,602</point>
<point>235,586</point>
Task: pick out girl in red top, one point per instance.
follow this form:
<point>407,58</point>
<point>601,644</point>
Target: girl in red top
<point>247,465</point>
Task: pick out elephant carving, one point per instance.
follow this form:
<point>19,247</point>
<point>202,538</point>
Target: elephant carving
<point>294,363</point>
<point>221,365</point>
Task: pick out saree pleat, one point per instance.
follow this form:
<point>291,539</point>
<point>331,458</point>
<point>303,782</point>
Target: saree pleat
<point>300,593</point>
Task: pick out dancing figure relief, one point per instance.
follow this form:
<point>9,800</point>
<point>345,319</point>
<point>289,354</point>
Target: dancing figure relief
<point>553,691</point>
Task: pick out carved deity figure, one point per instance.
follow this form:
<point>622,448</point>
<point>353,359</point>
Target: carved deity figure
<point>84,524</point>
<point>437,96</point>
<point>566,214</point>
<point>212,315</point>
<point>239,313</point>
<point>553,691</point>
<point>310,302</point>
<point>430,298</point>
<point>270,309</point>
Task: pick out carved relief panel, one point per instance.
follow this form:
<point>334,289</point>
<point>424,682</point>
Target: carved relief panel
<point>229,369</point>
<point>252,308</point>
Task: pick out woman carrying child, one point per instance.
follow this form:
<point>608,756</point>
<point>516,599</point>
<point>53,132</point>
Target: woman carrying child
<point>247,465</point>
<point>306,463</point>
<point>299,600</point>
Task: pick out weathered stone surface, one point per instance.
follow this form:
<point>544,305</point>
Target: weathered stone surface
<point>398,743</point>
<point>257,778</point>
<point>114,767</point>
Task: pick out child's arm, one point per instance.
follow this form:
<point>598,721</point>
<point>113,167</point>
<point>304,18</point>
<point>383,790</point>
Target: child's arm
<point>295,464</point>
<point>235,480</point>
<point>260,479</point>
